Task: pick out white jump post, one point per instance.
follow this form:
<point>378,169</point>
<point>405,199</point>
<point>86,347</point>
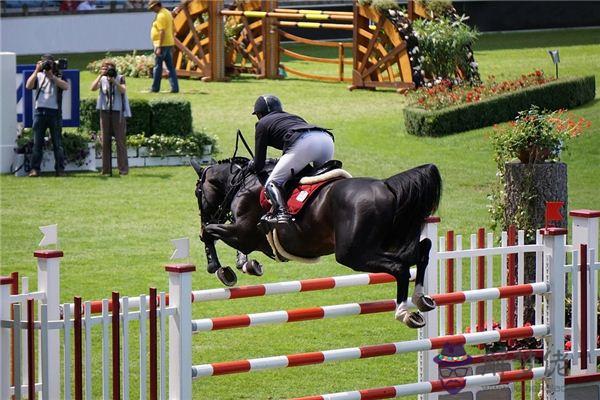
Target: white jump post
<point>427,368</point>
<point>48,263</point>
<point>585,231</point>
<point>5,285</point>
<point>554,313</point>
<point>8,115</point>
<point>180,330</point>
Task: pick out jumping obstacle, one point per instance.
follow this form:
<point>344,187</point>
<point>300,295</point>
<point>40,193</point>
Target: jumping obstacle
<point>152,313</point>
<point>384,50</point>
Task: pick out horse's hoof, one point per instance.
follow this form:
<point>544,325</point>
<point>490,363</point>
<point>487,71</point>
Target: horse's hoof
<point>415,320</point>
<point>252,267</point>
<point>227,276</point>
<point>424,303</point>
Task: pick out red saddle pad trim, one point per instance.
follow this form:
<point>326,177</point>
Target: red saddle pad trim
<point>298,199</point>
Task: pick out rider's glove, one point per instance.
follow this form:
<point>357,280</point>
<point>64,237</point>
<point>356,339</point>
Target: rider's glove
<point>250,166</point>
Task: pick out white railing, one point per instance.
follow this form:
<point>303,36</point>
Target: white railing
<point>73,325</point>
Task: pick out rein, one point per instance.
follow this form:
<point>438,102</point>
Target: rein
<point>223,213</point>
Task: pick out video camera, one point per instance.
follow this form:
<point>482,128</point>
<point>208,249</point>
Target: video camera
<point>49,64</point>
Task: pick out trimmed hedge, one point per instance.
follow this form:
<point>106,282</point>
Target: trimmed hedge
<point>172,117</point>
<point>563,93</point>
<point>88,115</point>
<point>141,117</point>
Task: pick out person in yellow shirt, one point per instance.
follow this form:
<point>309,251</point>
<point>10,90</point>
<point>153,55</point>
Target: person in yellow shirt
<point>163,40</point>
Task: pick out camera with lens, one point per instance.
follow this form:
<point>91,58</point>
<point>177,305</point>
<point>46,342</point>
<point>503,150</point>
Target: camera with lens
<point>110,71</point>
<point>49,64</point>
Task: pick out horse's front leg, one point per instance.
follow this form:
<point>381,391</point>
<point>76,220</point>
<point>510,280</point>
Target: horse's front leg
<point>420,299</point>
<point>241,235</point>
<point>212,259</point>
<point>225,274</point>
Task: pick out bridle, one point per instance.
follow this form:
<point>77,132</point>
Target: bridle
<point>237,178</point>
<point>223,213</point>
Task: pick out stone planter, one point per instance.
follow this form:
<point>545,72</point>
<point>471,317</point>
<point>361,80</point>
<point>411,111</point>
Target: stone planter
<point>89,164</point>
<point>544,181</point>
<point>540,182</point>
<point>143,151</point>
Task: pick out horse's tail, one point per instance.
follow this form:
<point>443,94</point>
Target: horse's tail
<point>417,193</point>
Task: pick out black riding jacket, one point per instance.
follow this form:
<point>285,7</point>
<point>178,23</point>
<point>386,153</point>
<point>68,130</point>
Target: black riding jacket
<point>279,130</point>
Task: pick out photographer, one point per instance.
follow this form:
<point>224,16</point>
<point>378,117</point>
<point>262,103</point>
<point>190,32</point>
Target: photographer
<point>48,114</point>
<point>114,108</point>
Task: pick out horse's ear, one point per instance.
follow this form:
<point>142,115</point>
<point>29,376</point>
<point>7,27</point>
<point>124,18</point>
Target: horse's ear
<point>196,167</point>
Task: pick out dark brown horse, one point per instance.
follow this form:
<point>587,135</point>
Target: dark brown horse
<point>371,225</point>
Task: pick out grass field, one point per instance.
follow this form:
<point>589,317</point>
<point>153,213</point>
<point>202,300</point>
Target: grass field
<point>115,231</point>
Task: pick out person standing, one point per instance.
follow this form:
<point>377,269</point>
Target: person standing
<point>163,40</point>
<point>114,108</point>
<point>48,85</point>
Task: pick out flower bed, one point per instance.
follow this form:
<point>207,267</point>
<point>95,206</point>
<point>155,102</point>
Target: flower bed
<point>445,93</point>
<point>563,93</point>
<point>133,65</point>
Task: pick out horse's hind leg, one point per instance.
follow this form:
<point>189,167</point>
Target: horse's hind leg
<point>390,263</point>
<point>403,314</point>
<point>248,266</point>
<point>419,298</point>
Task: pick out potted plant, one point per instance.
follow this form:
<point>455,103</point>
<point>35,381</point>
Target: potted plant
<point>527,152</point>
<point>536,136</point>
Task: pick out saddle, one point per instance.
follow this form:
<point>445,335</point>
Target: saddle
<point>302,187</point>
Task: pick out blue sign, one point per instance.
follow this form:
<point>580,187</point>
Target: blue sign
<point>21,88</point>
<point>70,99</point>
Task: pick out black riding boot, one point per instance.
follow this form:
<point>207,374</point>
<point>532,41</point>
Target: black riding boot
<point>281,214</point>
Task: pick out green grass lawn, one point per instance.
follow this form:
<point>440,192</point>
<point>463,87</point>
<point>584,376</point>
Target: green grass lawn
<point>115,231</point>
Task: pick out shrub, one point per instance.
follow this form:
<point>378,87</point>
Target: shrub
<point>141,117</point>
<point>443,44</point>
<point>133,65</point>
<point>89,116</point>
<point>563,93</point>
<point>161,145</point>
<point>534,137</point>
<point>171,117</point>
<point>75,144</point>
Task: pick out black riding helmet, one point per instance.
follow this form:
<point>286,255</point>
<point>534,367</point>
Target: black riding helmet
<point>267,104</point>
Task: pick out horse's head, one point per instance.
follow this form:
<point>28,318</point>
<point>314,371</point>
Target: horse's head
<point>214,188</point>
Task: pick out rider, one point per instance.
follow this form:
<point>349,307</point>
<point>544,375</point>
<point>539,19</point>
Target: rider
<point>301,142</point>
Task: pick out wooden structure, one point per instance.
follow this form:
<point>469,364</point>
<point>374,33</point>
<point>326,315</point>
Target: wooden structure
<point>199,42</point>
<point>213,43</point>
<point>380,54</point>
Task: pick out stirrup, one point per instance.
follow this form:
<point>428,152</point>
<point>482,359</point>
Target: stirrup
<point>283,217</point>
<point>268,218</point>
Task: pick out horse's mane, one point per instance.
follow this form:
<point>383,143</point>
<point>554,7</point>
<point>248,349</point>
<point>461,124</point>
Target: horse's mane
<point>244,160</point>
<point>233,160</point>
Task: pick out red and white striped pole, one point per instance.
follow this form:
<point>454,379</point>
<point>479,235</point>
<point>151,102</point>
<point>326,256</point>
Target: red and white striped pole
<point>180,331</point>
